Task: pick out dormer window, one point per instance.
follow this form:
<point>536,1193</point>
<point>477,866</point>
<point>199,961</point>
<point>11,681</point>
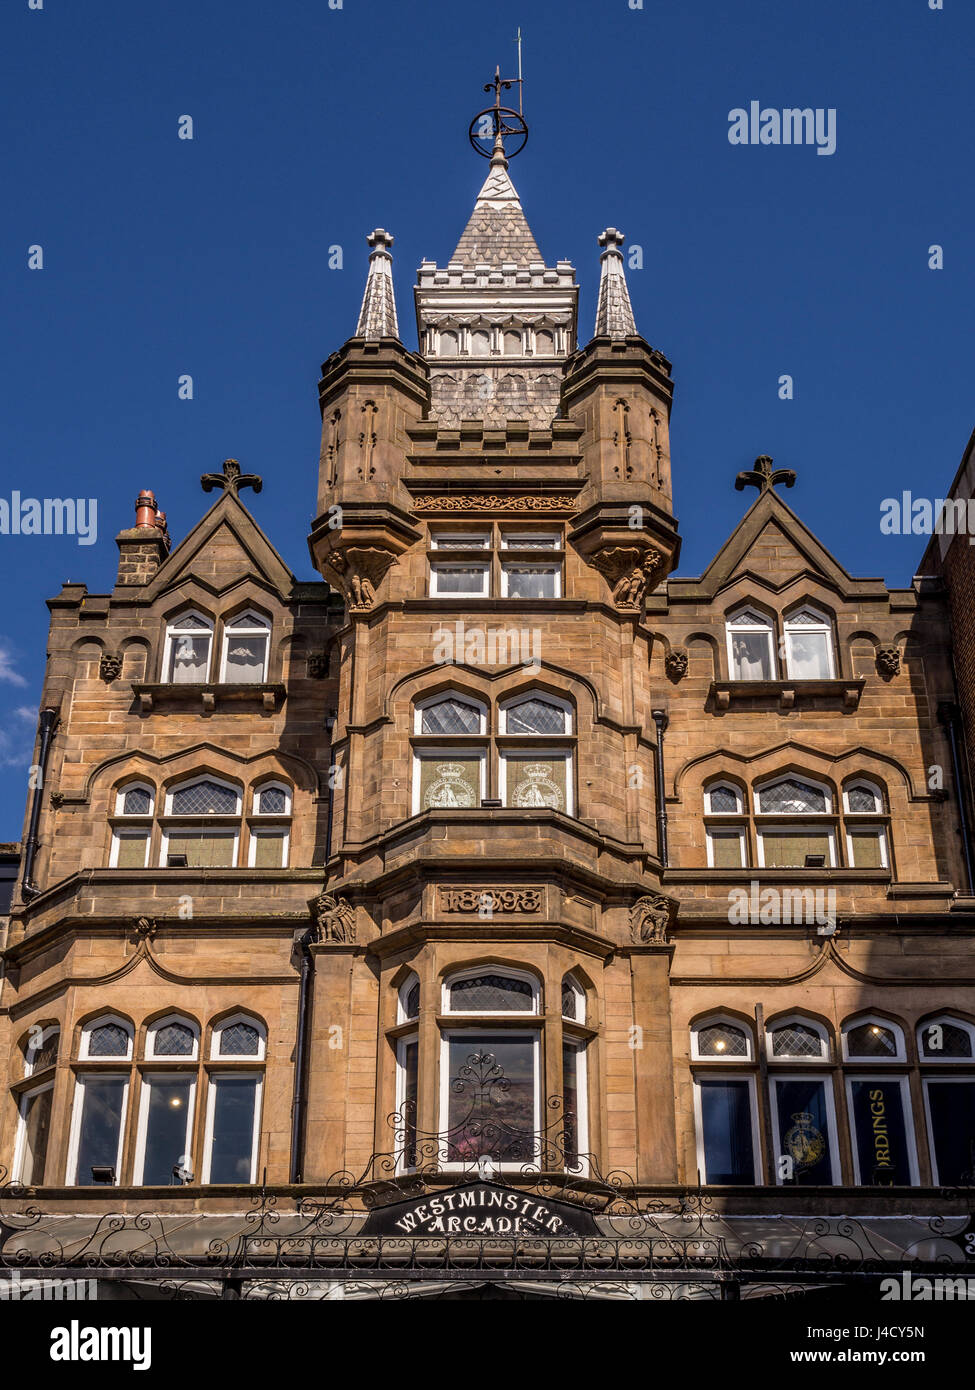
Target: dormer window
<point>809,645</point>
<point>750,648</point>
<point>245,649</point>
<point>187,657</point>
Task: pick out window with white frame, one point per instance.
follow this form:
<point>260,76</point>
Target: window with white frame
<point>213,844</point>
<point>449,775</point>
<point>721,1039</point>
<point>535,777</point>
<point>809,645</point>
<point>41,1049</point>
<point>507,561</point>
<point>573,1000</point>
<point>793,844</point>
<point>132,826</point>
<point>949,1104</point>
<point>106,1038</point>
<point>882,1129</point>
<point>33,1135</point>
<point>751,651</point>
<point>946,1039</point>
<point>409,1000</point>
<point>460,540</point>
<point>726,844</point>
<point>450,713</point>
<point>270,828</point>
<point>872,1039</point>
<point>407,1073</point>
<point>531,581</point>
<point>189,639</point>
<point>797,1039</point>
<point>726,1120</point>
<point>97,1127</point>
<point>490,1080</point>
<point>239,1036</point>
<point>172,1037</point>
<point>246,639</point>
<point>233,1108</point>
<point>866,843</point>
<point>164,1137</point>
<point>804,1129</point>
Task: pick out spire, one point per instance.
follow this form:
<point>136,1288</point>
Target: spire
<point>498,232</point>
<point>614,314</point>
<point>377,317</point>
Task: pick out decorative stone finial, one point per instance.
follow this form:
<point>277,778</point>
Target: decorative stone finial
<point>231,479</point>
<point>377,317</point>
<point>614,313</point>
<point>764,476</point>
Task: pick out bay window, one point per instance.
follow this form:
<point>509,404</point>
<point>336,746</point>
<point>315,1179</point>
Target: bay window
<point>165,1137</point>
<point>34,1129</point>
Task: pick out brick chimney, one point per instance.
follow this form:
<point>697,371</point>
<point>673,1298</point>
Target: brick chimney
<point>144,546</point>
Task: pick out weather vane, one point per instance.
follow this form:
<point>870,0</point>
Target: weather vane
<point>491,127</point>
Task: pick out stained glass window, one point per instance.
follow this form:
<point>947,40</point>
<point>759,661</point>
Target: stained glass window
<point>108,1040</point>
<point>189,650</point>
<point>450,716</point>
<point>449,783</point>
<point>792,797</point>
<point>492,994</point>
<point>239,1040</point>
<point>722,1040</point>
<point>205,798</point>
<point>534,783</point>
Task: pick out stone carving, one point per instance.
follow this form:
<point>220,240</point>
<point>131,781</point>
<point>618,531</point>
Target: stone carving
<point>144,929</point>
<point>360,571</point>
<point>763,476</point>
<point>489,900</point>
<point>367,441</point>
<point>490,502</point>
<point>651,917</point>
<point>332,448</point>
<point>629,570</point>
<point>675,663</point>
<point>231,479</point>
<point>334,919</point>
<point>621,440</point>
<point>109,667</point>
<point>888,661</point>
<point>317,665</point>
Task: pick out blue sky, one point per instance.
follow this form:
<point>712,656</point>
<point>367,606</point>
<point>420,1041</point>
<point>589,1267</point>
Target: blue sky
<point>313,125</point>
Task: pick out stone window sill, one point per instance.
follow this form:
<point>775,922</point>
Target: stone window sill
<point>787,695</point>
<point>208,697</point>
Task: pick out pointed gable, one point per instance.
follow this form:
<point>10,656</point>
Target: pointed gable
<point>224,547</point>
<point>497,232</point>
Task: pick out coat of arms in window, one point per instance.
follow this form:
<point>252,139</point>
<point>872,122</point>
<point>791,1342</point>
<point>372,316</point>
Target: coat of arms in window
<point>452,787</point>
<point>536,788</point>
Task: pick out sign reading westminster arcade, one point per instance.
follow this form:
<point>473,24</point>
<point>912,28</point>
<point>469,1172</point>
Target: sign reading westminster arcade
<point>480,1209</point>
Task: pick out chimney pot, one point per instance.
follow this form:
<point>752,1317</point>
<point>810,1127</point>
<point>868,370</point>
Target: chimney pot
<point>145,508</point>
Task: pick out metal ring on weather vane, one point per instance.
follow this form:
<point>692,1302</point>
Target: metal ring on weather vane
<point>500,120</point>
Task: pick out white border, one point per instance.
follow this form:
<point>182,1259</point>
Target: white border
<point>927,1059</point>
<point>580,1047</point>
<point>445,754</point>
<point>174,629</point>
<point>250,1058</point>
<point>509,565</point>
<point>21,1140</point>
<point>402,1013</point>
<point>123,791</point>
<point>263,787</point>
<point>824,625</point>
<point>463,698</point>
<point>524,753</point>
<point>938,1080</point>
<point>880,833</point>
<point>726,832</point>
<point>153,1029</point>
<point>227,831</point>
<point>83,1053</point>
<point>401,1046</point>
<point>709,1022</point>
<point>806,1022</point>
<point>267,832</point>
<point>857,1021</point>
<point>534,1037</point>
<point>468,972</point>
<point>543,697</point>
<point>767,627</point>
<point>261,628</point>
<point>185,783</point>
<point>482,566</point>
<point>798,828</point>
<point>130,832</point>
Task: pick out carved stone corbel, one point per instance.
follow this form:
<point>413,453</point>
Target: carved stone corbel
<point>109,667</point>
<point>888,661</point>
<point>334,919</point>
<point>651,918</point>
<point>630,570</point>
<point>675,663</point>
<point>360,571</point>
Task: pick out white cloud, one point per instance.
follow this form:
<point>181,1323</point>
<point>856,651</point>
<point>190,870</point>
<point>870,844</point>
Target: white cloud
<point>7,672</point>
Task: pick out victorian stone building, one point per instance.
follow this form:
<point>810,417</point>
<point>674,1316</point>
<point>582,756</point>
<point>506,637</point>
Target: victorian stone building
<point>506,884</point>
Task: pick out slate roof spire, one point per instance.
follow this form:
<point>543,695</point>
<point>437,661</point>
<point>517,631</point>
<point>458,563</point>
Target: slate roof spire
<point>497,232</point>
<point>377,317</point>
<point>614,313</point>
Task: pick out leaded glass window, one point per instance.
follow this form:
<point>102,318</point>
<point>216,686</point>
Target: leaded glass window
<point>411,1004</point>
<point>535,716</point>
<point>796,1040</point>
<point>491,994</point>
<point>792,797</point>
<point>239,1040</point>
<point>722,1040</point>
<point>136,801</point>
<point>863,799</point>
<point>108,1040</point>
<point>450,716</point>
<point>941,1040</point>
<point>45,1054</point>
<point>205,798</point>
<point>871,1040</point>
<point>174,1040</point>
<point>272,801</point>
<point>724,800</point>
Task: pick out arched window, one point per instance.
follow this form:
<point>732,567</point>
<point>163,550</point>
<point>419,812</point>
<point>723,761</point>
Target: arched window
<point>41,1049</point>
<point>449,752</point>
<point>797,1039</point>
<point>407,1073</point>
<point>187,657</point>
<point>863,799</point>
<point>534,778</point>
<point>409,1000</point>
<point>100,1103</point>
<point>946,1039</point>
<point>233,1114</point>
<point>132,828</point>
<point>213,845</point>
<point>573,999</point>
<point>450,713</point>
<point>490,1077</point>
<point>726,844</point>
<point>723,799</point>
<point>809,645</point>
<point>866,844</point>
<point>721,1039</point>
<point>269,843</point>
<point>238,1036</point>
<point>873,1040</point>
<point>172,1036</point>
<point>750,648</point>
<point>725,1105</point>
<point>537,715</point>
<point>105,1038</point>
<point>245,648</point>
<point>793,845</point>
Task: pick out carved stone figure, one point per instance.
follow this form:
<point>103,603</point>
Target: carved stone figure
<point>650,918</point>
<point>334,919</point>
<point>888,661</point>
<point>109,667</point>
<point>629,569</point>
<point>675,663</point>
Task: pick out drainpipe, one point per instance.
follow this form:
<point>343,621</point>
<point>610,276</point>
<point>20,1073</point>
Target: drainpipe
<point>301,1043</point>
<point>661,720</point>
<point>46,726</point>
<point>948,717</point>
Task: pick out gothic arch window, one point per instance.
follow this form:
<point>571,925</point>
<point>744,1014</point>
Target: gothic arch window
<point>751,654</point>
<point>946,1043</point>
<point>480,343</point>
<point>40,1049</point>
<point>535,752</point>
<point>809,645</point>
<point>866,836</point>
<point>100,1102</point>
<point>573,999</point>
<point>727,839</point>
<point>801,1103</point>
<point>189,639</point>
<point>450,713</point>
<point>408,1001</point>
<point>173,1036</point>
<point>872,1039</point>
<point>544,344</point>
<point>785,837</point>
<point>246,639</point>
<point>946,1039</point>
<point>240,1036</point>
<point>797,1039</point>
<point>449,752</point>
<point>105,1038</point>
<point>213,841</point>
<point>878,1101</point>
<point>132,825</point>
<point>270,826</point>
<point>234,1098</point>
<point>725,1102</point>
<point>490,1077</point>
